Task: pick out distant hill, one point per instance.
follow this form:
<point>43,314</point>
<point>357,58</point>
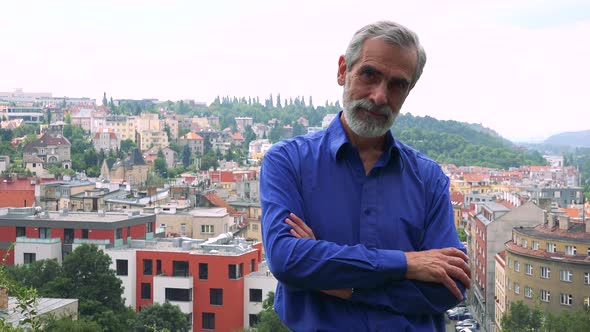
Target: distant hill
<point>461,143</point>
<point>574,139</point>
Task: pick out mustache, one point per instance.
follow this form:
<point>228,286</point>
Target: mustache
<point>370,106</point>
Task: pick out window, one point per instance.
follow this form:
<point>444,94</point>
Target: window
<point>545,295</point>
<point>516,266</point>
<point>178,294</point>
<point>252,265</point>
<point>551,247</point>
<point>529,269</point>
<point>119,233</point>
<point>509,284</point>
<point>158,267</point>
<point>180,269</point>
<point>566,299</point>
<point>84,233</point>
<point>29,257</point>
<point>21,231</point>
<point>565,275</point>
<point>208,321</point>
<point>587,301</point>
<point>235,271</point>
<point>207,229</point>
<point>146,290</point>
<point>535,245</point>
<point>524,243</point>
<point>122,267</point>
<point>147,267</point>
<point>586,278</point>
<point>150,227</point>
<point>44,233</point>
<point>516,288</point>
<point>545,272</point>
<point>588,254</point>
<point>182,229</point>
<point>216,296</point>
<point>255,227</point>
<point>252,320</point>
<point>203,271</point>
<point>528,292</point>
<point>255,295</point>
<point>570,250</point>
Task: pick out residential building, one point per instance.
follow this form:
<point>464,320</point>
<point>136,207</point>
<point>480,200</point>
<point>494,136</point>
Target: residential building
<point>205,278</point>
<point>550,263</point>
<point>83,118</point>
<point>123,126</point>
<point>152,154</point>
<point>29,114</point>
<point>55,195</point>
<point>4,163</point>
<point>500,289</point>
<point>51,149</point>
<point>172,124</point>
<point>17,191</point>
<point>491,226</point>
<point>153,138</point>
<point>257,285</point>
<point>41,234</point>
<point>199,223</point>
<point>106,140</point>
<point>132,170</point>
<point>562,196</point>
<point>195,142</point>
<point>243,122</point>
<point>13,316</point>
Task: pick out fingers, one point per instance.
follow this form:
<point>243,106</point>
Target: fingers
<point>301,224</point>
<point>452,286</point>
<point>299,228</point>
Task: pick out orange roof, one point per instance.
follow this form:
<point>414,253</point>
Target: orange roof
<point>474,177</point>
<point>540,168</point>
<point>192,135</point>
<point>571,212</point>
<point>218,201</point>
<point>237,136</point>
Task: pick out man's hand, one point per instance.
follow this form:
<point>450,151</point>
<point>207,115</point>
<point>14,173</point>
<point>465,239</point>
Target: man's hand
<point>301,230</point>
<point>440,266</point>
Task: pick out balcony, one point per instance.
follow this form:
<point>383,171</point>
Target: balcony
<point>164,281</point>
<point>185,307</point>
<point>92,241</point>
<point>24,239</point>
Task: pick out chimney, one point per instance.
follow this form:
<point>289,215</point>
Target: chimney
<point>551,220</point>
<point>3,299</point>
<point>564,222</point>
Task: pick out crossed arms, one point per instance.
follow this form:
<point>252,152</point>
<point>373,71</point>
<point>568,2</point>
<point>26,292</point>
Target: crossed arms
<point>416,282</point>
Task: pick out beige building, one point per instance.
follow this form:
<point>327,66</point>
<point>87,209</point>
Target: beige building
<point>106,139</point>
<point>549,264</point>
<point>123,126</point>
<point>199,223</point>
<point>153,139</point>
<point>195,142</point>
<point>500,289</point>
<point>52,149</point>
<point>173,125</point>
<point>148,122</point>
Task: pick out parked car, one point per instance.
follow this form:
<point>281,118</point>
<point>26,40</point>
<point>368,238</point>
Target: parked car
<point>465,329</point>
<point>460,315</point>
<point>469,323</point>
<point>456,309</point>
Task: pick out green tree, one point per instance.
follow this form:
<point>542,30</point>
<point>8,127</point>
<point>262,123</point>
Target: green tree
<point>104,99</point>
<point>160,167</point>
<point>268,320</point>
<point>127,145</point>
<point>208,161</point>
<point>462,234</point>
<point>53,324</point>
<point>521,318</point>
<point>162,316</point>
<point>186,156</point>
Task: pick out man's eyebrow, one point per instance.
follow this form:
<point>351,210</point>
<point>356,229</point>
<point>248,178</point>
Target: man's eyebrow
<point>368,68</point>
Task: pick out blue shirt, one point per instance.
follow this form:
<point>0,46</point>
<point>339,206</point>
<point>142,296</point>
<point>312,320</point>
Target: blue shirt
<point>363,225</point>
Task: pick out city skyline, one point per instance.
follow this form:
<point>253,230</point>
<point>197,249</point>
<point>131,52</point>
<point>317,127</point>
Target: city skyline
<point>516,68</point>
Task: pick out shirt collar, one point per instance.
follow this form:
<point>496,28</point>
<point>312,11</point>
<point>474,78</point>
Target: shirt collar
<point>338,139</point>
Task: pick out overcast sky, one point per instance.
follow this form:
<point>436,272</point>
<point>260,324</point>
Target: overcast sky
<point>518,67</point>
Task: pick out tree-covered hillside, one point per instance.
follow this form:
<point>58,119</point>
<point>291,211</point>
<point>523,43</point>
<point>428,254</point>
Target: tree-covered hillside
<point>462,144</point>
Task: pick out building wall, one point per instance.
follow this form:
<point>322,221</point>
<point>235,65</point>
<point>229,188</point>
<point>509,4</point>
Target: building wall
<point>499,291</point>
<point>128,281</point>
<point>267,283</point>
<point>41,249</point>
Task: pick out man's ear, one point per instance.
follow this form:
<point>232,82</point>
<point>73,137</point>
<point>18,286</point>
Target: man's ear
<point>341,71</point>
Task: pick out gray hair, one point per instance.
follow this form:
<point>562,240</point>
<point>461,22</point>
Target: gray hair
<point>392,33</point>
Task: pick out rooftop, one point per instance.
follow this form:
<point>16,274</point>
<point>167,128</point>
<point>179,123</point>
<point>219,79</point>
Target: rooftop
<point>576,232</point>
<point>29,214</point>
<point>44,306</point>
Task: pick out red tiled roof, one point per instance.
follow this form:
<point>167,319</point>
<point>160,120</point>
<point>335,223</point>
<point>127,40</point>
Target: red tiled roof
<point>218,201</point>
<point>571,212</point>
<point>237,136</point>
<point>192,135</point>
<point>474,177</point>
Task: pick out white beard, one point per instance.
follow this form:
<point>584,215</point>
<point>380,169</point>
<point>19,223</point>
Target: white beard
<point>361,123</point>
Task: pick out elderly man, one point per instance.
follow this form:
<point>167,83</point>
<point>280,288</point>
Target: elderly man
<point>358,227</point>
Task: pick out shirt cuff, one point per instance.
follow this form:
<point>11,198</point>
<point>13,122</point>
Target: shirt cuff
<point>394,262</point>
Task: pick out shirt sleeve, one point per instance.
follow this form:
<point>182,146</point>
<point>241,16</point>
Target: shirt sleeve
<point>416,297</point>
<point>306,263</point>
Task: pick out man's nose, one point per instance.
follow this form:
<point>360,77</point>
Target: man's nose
<point>379,94</point>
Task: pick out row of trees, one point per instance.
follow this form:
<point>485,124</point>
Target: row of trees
<point>85,274</point>
<point>521,318</point>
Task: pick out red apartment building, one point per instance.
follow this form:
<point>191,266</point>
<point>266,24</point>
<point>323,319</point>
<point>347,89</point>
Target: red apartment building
<point>206,279</point>
<point>40,235</point>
